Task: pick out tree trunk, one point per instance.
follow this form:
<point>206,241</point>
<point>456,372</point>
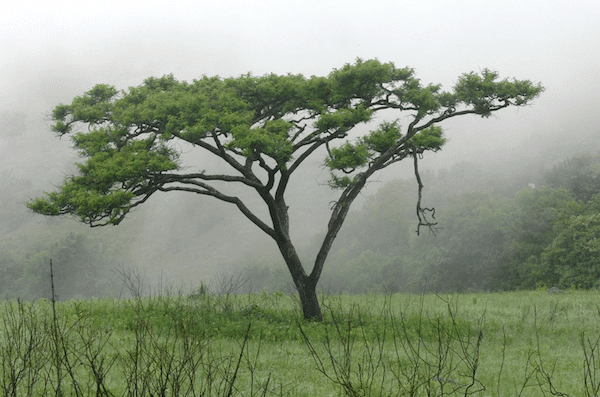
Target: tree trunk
<point>309,300</point>
<point>305,285</point>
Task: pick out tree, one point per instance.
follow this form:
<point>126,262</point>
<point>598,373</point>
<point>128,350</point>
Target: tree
<point>262,129</point>
<point>541,214</point>
<point>573,255</point>
<point>571,259</point>
<point>579,174</point>
<point>471,247</point>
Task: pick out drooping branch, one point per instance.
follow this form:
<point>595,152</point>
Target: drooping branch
<point>421,211</point>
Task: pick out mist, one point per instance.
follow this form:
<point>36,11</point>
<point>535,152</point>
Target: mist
<point>50,53</point>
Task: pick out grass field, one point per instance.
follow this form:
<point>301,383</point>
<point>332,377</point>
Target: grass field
<point>501,344</point>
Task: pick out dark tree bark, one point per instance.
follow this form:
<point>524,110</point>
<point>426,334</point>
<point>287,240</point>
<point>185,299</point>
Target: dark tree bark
<point>311,308</point>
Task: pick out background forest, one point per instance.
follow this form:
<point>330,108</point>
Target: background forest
<point>495,233</point>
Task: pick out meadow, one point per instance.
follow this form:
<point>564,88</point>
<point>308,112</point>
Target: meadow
<point>528,343</point>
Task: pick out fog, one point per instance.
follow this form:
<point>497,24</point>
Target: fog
<point>51,52</point>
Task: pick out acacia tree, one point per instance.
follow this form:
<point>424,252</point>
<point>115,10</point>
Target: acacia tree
<point>263,128</point>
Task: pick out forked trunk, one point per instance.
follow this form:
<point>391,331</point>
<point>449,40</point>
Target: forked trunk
<point>305,285</point>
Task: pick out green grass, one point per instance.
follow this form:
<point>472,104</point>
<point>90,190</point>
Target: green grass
<point>520,343</point>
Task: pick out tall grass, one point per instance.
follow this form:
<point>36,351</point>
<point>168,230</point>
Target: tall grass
<point>510,344</point>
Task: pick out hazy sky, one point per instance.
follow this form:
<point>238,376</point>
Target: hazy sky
<point>51,51</point>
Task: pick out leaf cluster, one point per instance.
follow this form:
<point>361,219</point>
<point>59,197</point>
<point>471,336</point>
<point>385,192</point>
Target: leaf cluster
<point>484,93</point>
<point>387,138</point>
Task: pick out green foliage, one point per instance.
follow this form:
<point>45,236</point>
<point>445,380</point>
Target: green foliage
<point>424,99</point>
<point>94,108</point>
<point>383,138</point>
<point>348,157</point>
<point>271,140</point>
<point>364,80</point>
<point>270,121</point>
<point>541,215</point>
<point>573,254</point>
<point>352,156</point>
<point>89,205</point>
<point>340,182</point>
<point>342,120</point>
<point>485,93</point>
<point>429,139</point>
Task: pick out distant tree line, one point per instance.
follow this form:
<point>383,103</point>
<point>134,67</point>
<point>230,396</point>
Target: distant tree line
<point>491,238</point>
<point>494,234</point>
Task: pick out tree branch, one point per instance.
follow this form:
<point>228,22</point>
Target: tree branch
<point>205,189</point>
<point>183,178</point>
